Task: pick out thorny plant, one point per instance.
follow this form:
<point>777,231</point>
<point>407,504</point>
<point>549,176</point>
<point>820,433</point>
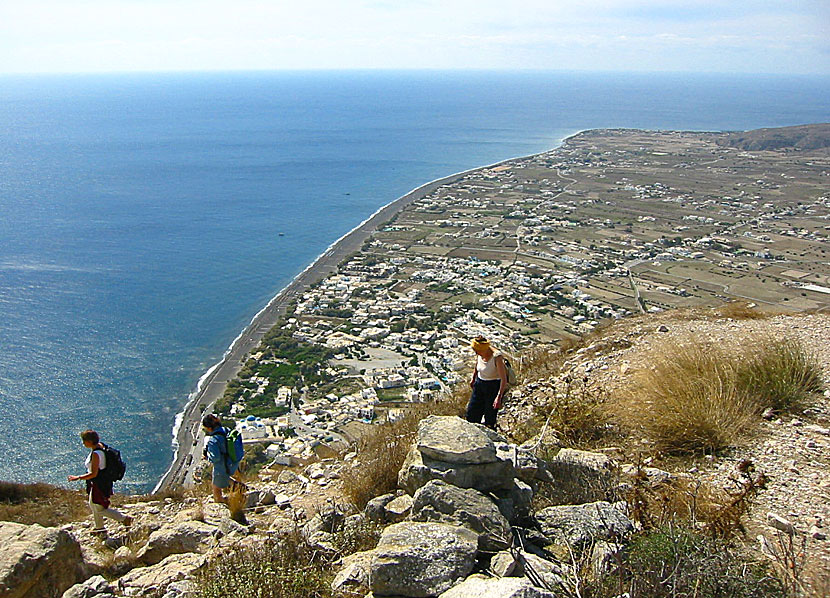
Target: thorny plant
<point>789,556</point>
<point>718,512</point>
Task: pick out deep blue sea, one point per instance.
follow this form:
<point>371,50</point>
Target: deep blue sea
<point>140,214</point>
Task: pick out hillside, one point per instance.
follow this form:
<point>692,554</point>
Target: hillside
<point>546,509</point>
<point>803,137</point>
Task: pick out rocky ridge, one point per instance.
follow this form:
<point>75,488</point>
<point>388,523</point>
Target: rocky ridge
<point>461,523</point>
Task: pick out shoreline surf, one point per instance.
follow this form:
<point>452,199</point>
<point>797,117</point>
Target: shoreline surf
<point>178,470</point>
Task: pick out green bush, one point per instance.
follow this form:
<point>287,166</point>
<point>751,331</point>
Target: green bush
<point>283,568</point>
<point>676,562</point>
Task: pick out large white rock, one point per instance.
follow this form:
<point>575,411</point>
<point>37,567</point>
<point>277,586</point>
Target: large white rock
<point>439,501</point>
<point>421,559</point>
<point>454,440</point>
<point>478,586</point>
<point>190,536</point>
<point>145,580</point>
<point>37,561</point>
<point>419,469</point>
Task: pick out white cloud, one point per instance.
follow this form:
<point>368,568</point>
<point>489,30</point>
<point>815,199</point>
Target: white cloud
<point>83,35</point>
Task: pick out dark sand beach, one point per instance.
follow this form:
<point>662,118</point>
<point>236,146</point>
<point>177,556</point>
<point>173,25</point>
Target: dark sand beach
<point>212,387</point>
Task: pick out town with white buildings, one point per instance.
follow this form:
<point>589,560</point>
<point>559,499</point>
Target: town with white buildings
<point>538,249</point>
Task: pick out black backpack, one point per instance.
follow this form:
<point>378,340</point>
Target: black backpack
<point>115,468</point>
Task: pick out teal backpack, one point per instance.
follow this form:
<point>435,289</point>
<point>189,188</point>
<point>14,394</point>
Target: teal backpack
<point>234,449</point>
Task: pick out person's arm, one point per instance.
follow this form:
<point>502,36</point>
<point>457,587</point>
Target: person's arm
<point>502,371</point>
<point>93,470</point>
<point>214,454</point>
<point>475,374</point>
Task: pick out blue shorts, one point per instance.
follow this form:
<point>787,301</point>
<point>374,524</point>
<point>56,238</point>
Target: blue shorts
<point>221,475</point>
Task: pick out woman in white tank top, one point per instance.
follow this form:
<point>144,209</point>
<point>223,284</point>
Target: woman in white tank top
<point>489,383</point>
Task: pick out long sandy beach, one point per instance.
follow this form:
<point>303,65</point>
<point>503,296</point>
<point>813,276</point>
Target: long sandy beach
<point>212,386</point>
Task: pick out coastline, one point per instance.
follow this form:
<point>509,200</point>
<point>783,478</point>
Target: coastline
<point>211,385</point>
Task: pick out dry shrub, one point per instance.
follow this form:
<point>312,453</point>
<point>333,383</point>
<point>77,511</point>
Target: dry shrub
<point>41,503</point>
<point>741,310</point>
<point>284,567</point>
<point>702,396</point>
<point>381,453</point>
<point>780,373</point>
<point>540,361</point>
<point>719,511</point>
<point>236,500</point>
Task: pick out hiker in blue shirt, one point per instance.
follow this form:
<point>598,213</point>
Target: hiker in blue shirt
<point>216,451</point>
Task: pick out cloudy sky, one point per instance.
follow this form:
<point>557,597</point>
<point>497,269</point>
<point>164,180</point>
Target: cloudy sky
<point>761,36</point>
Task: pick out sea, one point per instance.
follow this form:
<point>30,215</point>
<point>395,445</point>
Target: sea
<point>145,218</point>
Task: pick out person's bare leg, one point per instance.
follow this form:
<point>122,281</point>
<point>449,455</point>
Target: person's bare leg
<point>217,494</point>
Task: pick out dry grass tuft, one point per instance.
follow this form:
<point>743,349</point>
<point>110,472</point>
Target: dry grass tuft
<point>701,396</point>
<point>780,374</point>
<point>741,310</point>
<point>382,453</point>
<point>41,503</point>
<point>575,416</point>
<point>236,500</point>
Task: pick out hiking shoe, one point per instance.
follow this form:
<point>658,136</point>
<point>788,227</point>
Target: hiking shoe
<point>128,521</point>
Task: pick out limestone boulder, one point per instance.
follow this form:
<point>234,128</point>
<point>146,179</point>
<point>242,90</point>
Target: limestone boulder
<point>418,560</point>
<point>94,587</point>
<point>353,574</point>
<point>478,586</point>
<point>37,562</point>
<point>442,502</point>
<point>529,468</point>
<point>190,536</point>
<point>581,476</point>
<point>376,508</point>
<point>155,579</point>
<point>515,502</point>
<point>418,469</point>
<point>398,508</point>
<point>454,440</point>
<point>580,525</point>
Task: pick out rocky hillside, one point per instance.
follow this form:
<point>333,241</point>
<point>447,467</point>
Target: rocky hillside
<point>539,509</point>
<point>803,137</point>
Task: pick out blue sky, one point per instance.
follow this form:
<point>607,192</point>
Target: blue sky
<point>782,36</point>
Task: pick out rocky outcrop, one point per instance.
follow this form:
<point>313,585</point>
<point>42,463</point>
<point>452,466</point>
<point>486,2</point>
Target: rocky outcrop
<point>439,501</point>
<point>457,452</point>
<point>421,559</point>
<point>478,586</point>
<point>37,562</point>
<point>577,526</point>
<point>582,476</point>
<point>145,581</point>
<point>190,536</point>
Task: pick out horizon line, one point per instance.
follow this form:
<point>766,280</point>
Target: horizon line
<point>410,70</point>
